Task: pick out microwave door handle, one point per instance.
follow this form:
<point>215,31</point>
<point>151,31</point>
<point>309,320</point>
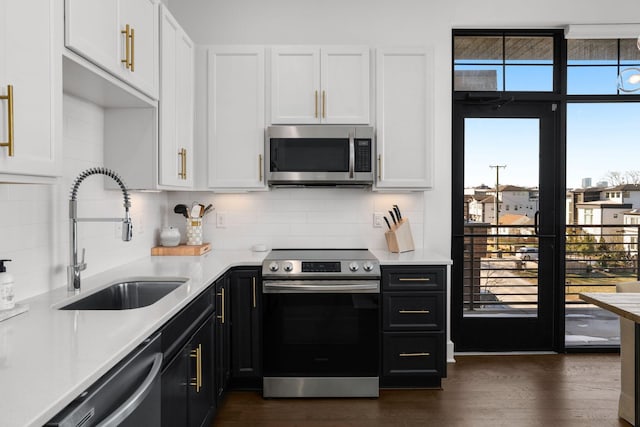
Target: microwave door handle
<point>352,155</point>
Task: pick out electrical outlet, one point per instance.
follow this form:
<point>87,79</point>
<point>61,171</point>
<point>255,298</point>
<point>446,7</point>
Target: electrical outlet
<point>221,220</point>
<point>138,226</point>
<point>378,220</point>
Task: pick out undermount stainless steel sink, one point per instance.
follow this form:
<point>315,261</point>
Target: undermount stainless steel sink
<point>126,295</point>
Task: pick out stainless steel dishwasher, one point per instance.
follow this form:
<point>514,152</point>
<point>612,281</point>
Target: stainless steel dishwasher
<point>127,395</point>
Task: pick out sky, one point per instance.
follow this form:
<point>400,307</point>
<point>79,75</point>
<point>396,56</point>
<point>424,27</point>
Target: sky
<point>601,137</point>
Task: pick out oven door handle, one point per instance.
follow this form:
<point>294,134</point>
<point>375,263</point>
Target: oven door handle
<point>320,286</point>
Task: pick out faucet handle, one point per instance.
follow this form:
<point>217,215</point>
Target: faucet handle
<point>82,265</point>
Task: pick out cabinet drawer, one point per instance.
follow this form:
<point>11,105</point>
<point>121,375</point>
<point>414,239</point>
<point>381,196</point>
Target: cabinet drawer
<point>412,311</point>
<point>414,278</point>
<point>413,354</point>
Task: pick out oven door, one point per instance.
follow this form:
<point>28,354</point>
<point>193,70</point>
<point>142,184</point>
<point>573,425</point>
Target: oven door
<point>319,341</point>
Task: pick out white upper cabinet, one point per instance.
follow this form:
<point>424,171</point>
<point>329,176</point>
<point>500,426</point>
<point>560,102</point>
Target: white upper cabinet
<point>404,118</point>
<point>120,36</point>
<point>29,91</point>
<point>236,117</point>
<point>320,85</point>
<point>176,103</point>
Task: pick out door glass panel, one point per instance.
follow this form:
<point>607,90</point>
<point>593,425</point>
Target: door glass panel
<point>501,251</point>
<point>602,215</point>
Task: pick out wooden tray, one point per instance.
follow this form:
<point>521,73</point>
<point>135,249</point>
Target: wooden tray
<point>181,250</point>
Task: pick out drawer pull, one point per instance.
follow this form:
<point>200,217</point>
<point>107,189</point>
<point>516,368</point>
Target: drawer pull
<point>414,311</point>
<point>414,279</point>
<point>414,354</point>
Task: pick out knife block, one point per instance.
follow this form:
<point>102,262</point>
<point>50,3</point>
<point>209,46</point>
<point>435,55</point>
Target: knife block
<point>399,238</point>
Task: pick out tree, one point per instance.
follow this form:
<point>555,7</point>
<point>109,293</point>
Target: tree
<point>615,178</point>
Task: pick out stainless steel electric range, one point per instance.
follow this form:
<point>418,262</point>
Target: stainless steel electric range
<point>321,323</point>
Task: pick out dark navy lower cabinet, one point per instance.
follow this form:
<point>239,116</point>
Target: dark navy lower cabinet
<point>246,331</point>
<point>413,326</point>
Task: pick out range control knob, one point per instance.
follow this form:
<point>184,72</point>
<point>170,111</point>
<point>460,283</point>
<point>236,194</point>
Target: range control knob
<point>353,266</point>
<point>367,266</point>
<point>288,266</point>
<point>274,266</point>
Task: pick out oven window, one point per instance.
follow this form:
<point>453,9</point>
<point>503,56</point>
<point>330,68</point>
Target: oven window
<point>321,335</point>
<point>309,155</point>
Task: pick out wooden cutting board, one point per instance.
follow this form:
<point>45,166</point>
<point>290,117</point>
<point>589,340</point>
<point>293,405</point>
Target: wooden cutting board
<point>184,250</point>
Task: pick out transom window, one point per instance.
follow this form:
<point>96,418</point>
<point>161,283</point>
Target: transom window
<point>503,63</point>
<point>593,65</point>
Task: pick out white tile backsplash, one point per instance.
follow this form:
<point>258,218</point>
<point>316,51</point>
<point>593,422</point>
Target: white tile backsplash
<point>34,223</point>
<point>301,218</point>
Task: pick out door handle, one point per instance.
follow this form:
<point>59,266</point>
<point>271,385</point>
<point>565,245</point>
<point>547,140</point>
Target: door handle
<point>127,46</point>
<point>253,287</point>
<point>536,218</point>
<point>221,316</point>
<point>9,98</point>
<point>197,381</point>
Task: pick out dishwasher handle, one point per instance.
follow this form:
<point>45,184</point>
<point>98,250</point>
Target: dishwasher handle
<point>132,403</point>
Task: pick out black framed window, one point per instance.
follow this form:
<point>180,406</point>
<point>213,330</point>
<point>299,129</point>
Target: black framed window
<point>593,65</point>
<point>504,62</point>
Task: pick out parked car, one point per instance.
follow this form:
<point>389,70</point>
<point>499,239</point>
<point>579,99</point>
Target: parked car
<point>527,254</point>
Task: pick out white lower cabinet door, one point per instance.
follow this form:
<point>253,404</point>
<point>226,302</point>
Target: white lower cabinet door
<point>176,104</point>
<point>236,118</point>
<point>404,118</point>
<point>28,96</point>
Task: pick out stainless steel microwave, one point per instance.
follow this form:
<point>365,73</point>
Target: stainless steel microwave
<point>317,155</point>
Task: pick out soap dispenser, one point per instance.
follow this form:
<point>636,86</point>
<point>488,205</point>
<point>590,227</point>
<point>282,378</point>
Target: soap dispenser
<point>6,287</point>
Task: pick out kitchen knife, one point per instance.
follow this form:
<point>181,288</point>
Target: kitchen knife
<point>397,211</point>
<point>387,221</point>
<point>393,218</point>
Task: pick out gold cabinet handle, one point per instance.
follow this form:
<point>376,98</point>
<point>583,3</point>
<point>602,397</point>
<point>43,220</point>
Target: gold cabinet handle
<point>414,311</point>
<point>315,103</point>
<point>9,98</point>
<point>253,286</point>
<point>221,315</point>
<point>324,104</point>
<point>133,50</point>
<point>127,59</point>
<point>379,166</point>
<point>183,163</point>
<point>197,381</point>
<point>260,167</point>
<point>414,279</point>
<point>414,354</point>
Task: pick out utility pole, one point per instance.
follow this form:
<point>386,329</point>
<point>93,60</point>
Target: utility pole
<point>496,210</point>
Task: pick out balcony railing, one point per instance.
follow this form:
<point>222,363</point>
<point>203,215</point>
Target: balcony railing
<point>501,264</point>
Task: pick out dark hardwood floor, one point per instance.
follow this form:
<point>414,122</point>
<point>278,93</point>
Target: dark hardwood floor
<point>578,390</point>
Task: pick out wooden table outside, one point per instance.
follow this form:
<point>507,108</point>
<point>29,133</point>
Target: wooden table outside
<point>626,305</point>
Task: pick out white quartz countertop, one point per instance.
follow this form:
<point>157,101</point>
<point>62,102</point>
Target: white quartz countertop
<point>49,356</point>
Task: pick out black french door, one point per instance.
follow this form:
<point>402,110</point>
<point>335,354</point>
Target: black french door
<point>507,195</point>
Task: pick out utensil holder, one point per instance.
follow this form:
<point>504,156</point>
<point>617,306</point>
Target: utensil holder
<point>194,231</point>
<point>399,238</point>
